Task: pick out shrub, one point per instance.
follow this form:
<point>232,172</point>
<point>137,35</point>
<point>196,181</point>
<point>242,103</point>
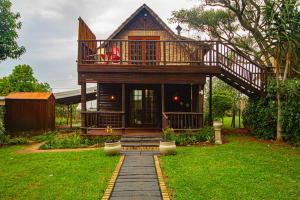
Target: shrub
<point>18,141</point>
<point>55,141</point>
<point>260,114</point>
<point>190,137</point>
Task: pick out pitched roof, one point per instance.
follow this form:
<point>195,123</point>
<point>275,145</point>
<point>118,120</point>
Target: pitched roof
<point>150,11</point>
<point>29,95</point>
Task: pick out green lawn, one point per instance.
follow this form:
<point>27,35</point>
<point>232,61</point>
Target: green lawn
<point>68,175</point>
<point>227,122</point>
<point>240,169</point>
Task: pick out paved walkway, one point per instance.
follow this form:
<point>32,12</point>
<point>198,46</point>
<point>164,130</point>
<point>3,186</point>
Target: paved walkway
<point>137,179</point>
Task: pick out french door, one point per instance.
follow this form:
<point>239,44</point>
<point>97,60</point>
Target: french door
<point>144,50</point>
<point>143,108</point>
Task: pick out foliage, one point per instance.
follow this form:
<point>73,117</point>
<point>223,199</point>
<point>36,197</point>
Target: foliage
<point>240,169</point>
<point>22,80</point>
<point>8,32</point>
<point>221,102</point>
<point>55,141</point>
<point>189,137</point>
<point>168,134</point>
<point>55,175</point>
<point>260,114</point>
<point>248,26</point>
<point>61,114</point>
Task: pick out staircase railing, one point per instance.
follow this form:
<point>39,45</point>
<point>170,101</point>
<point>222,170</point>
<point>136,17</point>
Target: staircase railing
<point>238,65</point>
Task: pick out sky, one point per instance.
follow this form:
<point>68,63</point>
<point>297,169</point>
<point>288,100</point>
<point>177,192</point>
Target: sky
<point>50,28</point>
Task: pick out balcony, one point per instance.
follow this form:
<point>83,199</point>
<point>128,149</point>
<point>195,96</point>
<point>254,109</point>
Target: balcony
<point>146,53</point>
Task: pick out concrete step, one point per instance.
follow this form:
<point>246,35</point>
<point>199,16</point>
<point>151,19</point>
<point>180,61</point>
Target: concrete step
<point>140,139</point>
<point>140,144</point>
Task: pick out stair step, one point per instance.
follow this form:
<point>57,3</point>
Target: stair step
<point>136,139</point>
<point>136,144</point>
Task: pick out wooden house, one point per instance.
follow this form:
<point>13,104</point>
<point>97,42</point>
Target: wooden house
<point>29,111</point>
<point>148,77</point>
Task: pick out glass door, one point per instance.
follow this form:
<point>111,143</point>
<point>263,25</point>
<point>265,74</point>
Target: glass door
<point>143,108</point>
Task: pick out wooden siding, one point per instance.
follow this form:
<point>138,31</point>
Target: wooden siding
<point>30,115</point>
<point>105,92</point>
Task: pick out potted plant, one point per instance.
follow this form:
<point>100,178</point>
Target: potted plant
<point>218,126</point>
<point>112,146</point>
<point>167,146</point>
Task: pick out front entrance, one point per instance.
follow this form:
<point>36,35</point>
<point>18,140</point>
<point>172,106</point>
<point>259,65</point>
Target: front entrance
<point>143,107</point>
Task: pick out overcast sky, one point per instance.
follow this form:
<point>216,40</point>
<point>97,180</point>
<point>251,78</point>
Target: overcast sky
<point>49,32</point>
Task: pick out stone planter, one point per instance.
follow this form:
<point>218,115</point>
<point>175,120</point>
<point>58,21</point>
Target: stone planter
<point>112,148</point>
<point>167,148</point>
<point>218,136</point>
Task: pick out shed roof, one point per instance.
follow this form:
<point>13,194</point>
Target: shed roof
<point>29,95</point>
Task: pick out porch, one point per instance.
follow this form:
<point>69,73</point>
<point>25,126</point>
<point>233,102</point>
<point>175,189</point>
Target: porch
<point>142,109</point>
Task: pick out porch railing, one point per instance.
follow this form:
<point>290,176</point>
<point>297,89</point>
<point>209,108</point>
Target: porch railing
<point>101,119</point>
<point>181,121</point>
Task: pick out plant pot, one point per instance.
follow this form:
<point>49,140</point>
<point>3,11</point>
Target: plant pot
<point>112,148</point>
<point>167,148</point>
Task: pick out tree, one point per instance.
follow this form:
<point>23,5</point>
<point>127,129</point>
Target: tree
<point>256,29</point>
<point>22,80</point>
<point>220,87</point>
<point>283,29</point>
<point>221,103</point>
<point>9,25</point>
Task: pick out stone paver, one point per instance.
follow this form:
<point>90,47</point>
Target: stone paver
<point>137,178</point>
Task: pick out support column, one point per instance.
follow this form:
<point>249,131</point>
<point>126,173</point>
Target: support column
<point>123,106</point>
<point>98,97</point>
<point>162,98</point>
<point>210,118</point>
<point>83,107</point>
<point>201,102</point>
<point>71,116</point>
<point>162,105</point>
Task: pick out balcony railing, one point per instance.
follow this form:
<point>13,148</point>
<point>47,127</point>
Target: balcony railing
<point>181,121</point>
<point>145,52</point>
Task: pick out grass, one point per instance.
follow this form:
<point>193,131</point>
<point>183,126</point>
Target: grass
<point>240,169</point>
<point>63,175</point>
<point>227,122</point>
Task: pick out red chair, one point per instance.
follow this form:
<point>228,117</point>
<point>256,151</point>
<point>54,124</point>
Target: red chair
<point>112,56</point>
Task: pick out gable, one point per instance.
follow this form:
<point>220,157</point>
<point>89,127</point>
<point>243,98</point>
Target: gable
<point>140,22</point>
<point>137,22</point>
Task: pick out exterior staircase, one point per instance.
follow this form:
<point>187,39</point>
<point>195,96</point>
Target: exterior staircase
<point>237,70</point>
<point>140,143</point>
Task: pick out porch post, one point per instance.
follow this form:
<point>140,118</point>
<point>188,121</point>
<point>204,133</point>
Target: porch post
<point>83,107</point>
<point>210,118</point>
<point>98,97</point>
<point>162,105</point>
<point>162,98</point>
<point>123,107</point>
<point>201,102</point>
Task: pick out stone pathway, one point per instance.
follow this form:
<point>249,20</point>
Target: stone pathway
<point>137,179</point>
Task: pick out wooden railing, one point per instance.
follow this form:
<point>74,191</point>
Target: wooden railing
<point>101,120</point>
<point>165,121</point>
<point>146,52</point>
<point>181,121</point>
<point>172,52</point>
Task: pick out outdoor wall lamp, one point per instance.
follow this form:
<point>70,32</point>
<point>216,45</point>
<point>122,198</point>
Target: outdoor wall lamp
<point>112,98</point>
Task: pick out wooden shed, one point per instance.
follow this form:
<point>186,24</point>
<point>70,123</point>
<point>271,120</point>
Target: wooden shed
<point>30,111</point>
